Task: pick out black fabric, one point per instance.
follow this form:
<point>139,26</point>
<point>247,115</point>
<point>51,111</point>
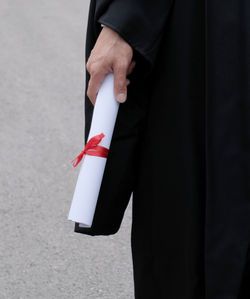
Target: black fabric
<point>142,25</point>
<point>181,145</point>
<point>122,159</point>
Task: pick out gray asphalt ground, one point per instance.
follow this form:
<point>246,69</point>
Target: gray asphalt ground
<point>41,131</point>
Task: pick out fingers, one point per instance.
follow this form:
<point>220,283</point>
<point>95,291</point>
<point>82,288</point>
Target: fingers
<point>121,70</point>
<point>120,81</point>
<point>94,85</point>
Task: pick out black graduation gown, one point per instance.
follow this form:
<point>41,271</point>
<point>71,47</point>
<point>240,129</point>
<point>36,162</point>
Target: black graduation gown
<point>181,144</point>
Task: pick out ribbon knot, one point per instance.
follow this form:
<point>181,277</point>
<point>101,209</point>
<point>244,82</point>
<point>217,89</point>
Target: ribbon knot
<point>93,149</point>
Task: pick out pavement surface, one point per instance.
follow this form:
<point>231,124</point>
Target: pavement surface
<point>42,71</point>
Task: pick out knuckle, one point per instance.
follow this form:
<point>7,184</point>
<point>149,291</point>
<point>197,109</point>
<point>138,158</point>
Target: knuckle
<point>94,73</point>
<point>120,84</point>
<point>122,65</point>
<point>92,68</point>
<point>88,66</point>
<point>120,80</point>
<point>121,62</point>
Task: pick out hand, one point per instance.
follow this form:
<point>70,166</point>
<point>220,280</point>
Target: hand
<point>111,53</point>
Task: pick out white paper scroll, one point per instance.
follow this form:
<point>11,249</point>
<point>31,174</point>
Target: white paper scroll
<point>92,168</point>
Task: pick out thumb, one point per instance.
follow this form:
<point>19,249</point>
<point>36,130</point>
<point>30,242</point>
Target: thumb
<point>120,82</point>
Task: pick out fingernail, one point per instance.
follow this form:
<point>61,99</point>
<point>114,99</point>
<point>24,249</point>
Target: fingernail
<point>121,97</point>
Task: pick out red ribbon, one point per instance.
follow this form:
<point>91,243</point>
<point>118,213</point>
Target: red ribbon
<point>93,149</point>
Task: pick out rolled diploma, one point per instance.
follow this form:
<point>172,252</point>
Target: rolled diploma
<point>92,168</point>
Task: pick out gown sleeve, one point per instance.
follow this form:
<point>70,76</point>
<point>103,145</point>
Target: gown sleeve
<point>141,23</point>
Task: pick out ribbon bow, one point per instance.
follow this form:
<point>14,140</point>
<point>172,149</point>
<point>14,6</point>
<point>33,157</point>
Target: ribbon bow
<point>93,149</point>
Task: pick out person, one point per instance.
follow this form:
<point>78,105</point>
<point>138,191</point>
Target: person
<point>181,143</point>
